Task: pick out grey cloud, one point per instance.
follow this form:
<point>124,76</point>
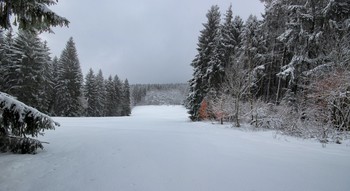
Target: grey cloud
<point>150,41</point>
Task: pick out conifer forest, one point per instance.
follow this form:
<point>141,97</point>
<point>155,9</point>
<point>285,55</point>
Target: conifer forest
<point>288,71</point>
<point>262,102</point>
<point>56,86</point>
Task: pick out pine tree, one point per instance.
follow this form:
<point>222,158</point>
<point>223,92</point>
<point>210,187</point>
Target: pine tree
<point>229,40</point>
<point>6,60</point>
<point>118,93</point>
<point>101,94</point>
<point>26,62</point>
<point>46,88</point>
<point>126,110</point>
<point>90,94</point>
<point>276,54</point>
<point>199,85</point>
<point>53,103</point>
<point>215,72</point>
<point>111,104</point>
<point>250,56</point>
<point>304,39</point>
<point>25,76</point>
<point>70,81</point>
<point>238,26</point>
<point>2,60</point>
<point>336,39</point>
<point>17,119</point>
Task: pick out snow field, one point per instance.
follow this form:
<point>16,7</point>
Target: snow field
<point>159,149</point>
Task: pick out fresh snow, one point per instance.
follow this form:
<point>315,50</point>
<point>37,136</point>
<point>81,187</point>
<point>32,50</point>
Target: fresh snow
<point>159,149</point>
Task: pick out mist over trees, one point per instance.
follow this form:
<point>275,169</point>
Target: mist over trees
<point>158,94</point>
<point>288,71</point>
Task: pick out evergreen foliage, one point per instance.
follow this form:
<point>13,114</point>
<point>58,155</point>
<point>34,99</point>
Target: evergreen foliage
<point>47,85</point>
<point>90,92</point>
<point>206,63</point>
<point>126,110</point>
<point>31,15</point>
<point>119,96</point>
<point>111,98</point>
<point>26,69</point>
<point>24,76</point>
<point>69,83</point>
<point>17,121</point>
<point>108,97</point>
<point>101,94</point>
<point>280,59</point>
<point>53,102</point>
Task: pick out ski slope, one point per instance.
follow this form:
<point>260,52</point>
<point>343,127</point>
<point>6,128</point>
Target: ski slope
<point>159,149</point>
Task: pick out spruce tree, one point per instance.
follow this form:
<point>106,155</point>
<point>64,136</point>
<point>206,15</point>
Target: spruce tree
<point>69,83</point>
<point>250,57</point>
<point>229,40</point>
<point>336,39</point>
<point>17,119</point>
<point>126,110</point>
<point>101,94</point>
<point>276,54</point>
<point>199,84</point>
<point>46,88</point>
<point>25,75</point>
<point>53,103</point>
<point>238,26</point>
<point>2,56</point>
<point>111,104</point>
<point>216,67</point>
<point>7,60</point>
<point>118,93</point>
<point>90,94</point>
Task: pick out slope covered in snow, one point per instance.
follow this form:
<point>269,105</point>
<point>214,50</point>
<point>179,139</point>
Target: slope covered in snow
<point>159,149</point>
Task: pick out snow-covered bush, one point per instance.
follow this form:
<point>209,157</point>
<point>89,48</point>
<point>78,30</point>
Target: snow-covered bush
<point>308,123</point>
<point>223,107</point>
<point>266,115</point>
<point>17,121</point>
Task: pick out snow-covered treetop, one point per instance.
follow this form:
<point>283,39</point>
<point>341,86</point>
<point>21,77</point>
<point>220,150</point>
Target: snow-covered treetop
<point>31,15</point>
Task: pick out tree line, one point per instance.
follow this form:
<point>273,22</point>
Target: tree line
<point>56,86</point>
<point>289,70</point>
<point>158,94</point>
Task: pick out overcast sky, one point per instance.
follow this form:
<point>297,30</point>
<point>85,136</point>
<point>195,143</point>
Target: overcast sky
<point>151,41</point>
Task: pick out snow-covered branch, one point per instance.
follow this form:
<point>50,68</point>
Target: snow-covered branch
<point>17,120</point>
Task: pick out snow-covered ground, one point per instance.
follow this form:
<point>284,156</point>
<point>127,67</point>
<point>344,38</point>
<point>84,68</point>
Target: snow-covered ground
<point>159,149</point>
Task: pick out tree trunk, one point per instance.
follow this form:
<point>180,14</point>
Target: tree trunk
<point>237,112</point>
<point>279,79</point>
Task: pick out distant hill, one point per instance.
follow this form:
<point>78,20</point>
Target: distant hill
<point>158,94</point>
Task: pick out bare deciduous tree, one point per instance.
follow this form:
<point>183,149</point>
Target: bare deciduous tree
<point>236,84</point>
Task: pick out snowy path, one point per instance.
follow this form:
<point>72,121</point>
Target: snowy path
<point>158,149</point>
